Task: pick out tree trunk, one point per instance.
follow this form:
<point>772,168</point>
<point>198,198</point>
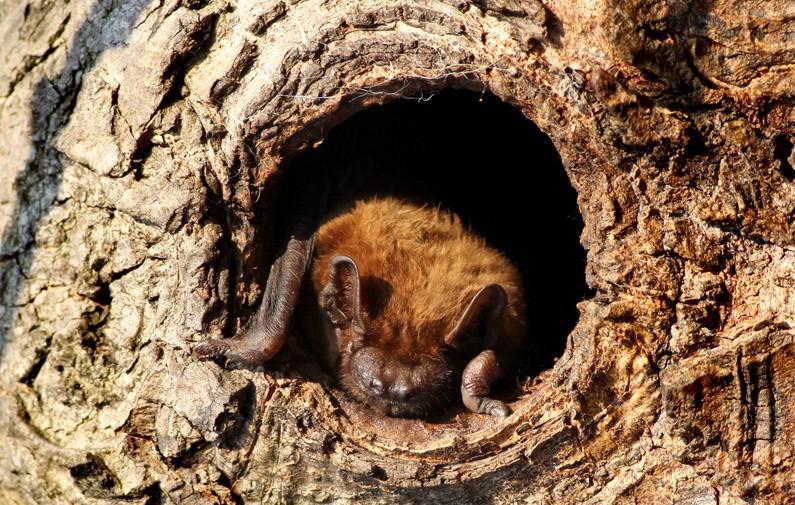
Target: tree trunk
<point>137,138</point>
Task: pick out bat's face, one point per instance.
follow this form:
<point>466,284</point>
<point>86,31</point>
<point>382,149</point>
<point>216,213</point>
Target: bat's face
<point>398,387</point>
<point>378,369</point>
<point>398,368</point>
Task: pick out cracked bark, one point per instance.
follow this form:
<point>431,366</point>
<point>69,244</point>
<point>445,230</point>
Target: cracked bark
<point>136,140</point>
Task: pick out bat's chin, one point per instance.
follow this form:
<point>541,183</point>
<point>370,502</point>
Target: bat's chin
<point>395,408</point>
<point>417,407</point>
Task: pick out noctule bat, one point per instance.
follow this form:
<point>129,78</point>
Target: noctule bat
<point>404,302</point>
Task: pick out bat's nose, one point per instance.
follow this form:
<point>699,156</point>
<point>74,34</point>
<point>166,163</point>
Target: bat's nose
<point>398,391</point>
<point>401,390</point>
<point>379,378</point>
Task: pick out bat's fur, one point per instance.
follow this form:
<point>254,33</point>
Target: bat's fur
<point>419,269</point>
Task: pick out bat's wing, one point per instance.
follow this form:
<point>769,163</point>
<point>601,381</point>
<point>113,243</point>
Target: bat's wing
<point>265,335</point>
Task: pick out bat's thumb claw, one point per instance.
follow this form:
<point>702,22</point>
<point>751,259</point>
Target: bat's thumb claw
<point>495,408</point>
<point>207,349</point>
<point>501,410</point>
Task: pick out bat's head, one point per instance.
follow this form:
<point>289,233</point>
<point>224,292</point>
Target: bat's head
<point>379,369</point>
<point>397,387</point>
<point>383,365</point>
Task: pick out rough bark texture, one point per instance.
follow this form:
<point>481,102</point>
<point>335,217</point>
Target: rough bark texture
<point>136,139</point>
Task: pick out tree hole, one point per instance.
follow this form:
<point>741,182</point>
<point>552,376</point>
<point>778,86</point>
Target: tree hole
<point>782,150</point>
<point>481,158</point>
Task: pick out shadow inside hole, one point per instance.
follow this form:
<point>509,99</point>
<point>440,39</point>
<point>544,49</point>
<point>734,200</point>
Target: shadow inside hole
<point>481,158</point>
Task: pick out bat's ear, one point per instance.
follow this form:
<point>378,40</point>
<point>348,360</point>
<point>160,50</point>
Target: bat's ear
<point>480,321</point>
<point>341,298</point>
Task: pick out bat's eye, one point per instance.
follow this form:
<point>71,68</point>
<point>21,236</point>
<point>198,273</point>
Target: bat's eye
<point>367,365</point>
<point>376,387</point>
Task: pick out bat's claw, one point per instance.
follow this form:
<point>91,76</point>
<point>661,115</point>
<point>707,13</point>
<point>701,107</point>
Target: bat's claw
<point>476,382</point>
<point>495,408</point>
<point>210,349</point>
<point>484,405</point>
<point>239,353</point>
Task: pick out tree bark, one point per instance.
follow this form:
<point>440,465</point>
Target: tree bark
<point>137,138</point>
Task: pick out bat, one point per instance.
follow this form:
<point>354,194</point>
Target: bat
<point>404,303</point>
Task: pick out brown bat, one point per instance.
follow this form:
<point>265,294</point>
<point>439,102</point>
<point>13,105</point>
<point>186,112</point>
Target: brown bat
<point>404,302</point>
